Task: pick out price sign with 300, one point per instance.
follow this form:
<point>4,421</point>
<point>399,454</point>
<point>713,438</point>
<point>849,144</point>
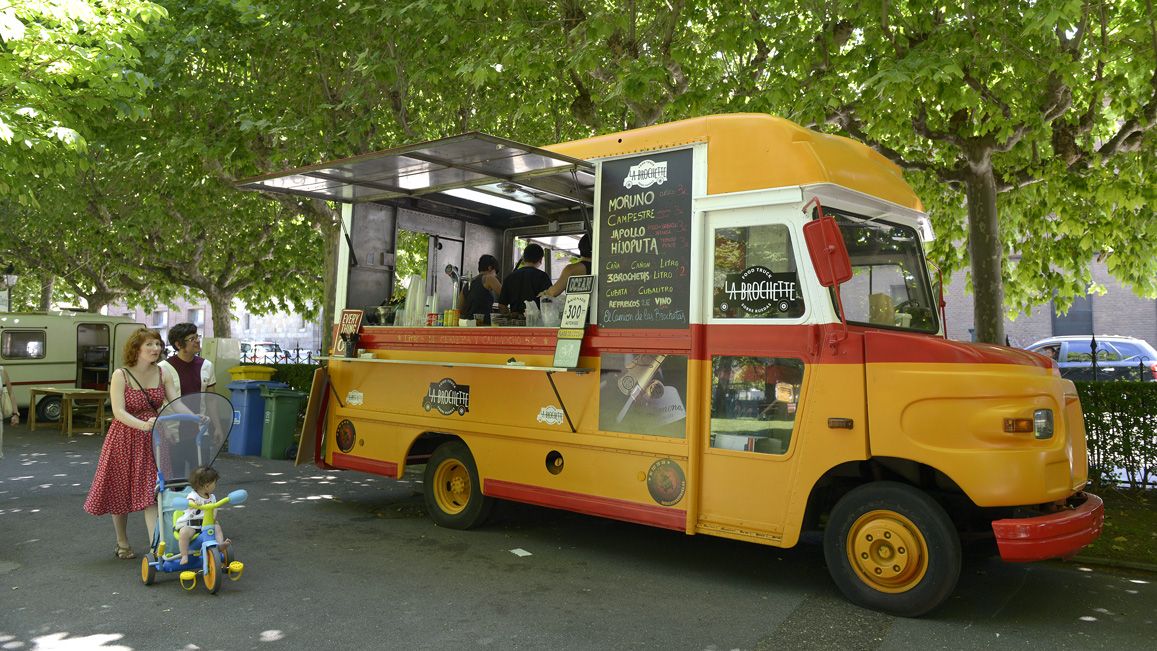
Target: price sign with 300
<point>574,311</point>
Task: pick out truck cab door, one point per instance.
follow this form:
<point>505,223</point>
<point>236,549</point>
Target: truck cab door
<point>769,379</point>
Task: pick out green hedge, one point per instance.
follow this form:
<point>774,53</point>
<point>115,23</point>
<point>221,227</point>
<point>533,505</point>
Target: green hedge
<point>297,376</point>
<point>1121,424</point>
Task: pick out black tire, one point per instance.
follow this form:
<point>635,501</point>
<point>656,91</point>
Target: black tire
<point>890,547</point>
<point>453,490</point>
<point>148,572</point>
<point>48,409</point>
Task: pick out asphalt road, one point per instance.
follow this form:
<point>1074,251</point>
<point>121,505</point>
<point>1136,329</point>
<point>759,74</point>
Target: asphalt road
<point>345,560</point>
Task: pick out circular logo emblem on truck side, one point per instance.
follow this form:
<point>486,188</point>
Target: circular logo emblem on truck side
<point>666,482</point>
<point>346,436</point>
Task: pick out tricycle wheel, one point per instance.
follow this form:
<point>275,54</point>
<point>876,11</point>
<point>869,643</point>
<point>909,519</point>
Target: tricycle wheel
<point>148,570</point>
<point>891,547</point>
<point>453,490</point>
<point>212,572</point>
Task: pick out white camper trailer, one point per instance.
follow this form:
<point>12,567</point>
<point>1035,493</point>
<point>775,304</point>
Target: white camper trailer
<point>65,350</point>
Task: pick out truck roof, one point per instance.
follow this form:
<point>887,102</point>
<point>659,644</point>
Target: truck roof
<point>503,183</point>
<point>751,151</point>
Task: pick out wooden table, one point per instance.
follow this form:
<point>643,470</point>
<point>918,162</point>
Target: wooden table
<point>69,398</point>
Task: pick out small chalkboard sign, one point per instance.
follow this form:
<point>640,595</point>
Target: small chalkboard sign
<point>645,241</point>
<point>573,325</point>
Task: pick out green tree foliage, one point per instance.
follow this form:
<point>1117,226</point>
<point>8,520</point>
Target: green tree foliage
<point>65,67</point>
<point>1049,105</point>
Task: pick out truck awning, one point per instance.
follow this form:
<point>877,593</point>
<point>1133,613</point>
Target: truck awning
<point>475,172</point>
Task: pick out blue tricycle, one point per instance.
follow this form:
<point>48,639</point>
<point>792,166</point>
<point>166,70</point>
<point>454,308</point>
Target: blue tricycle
<point>190,432</point>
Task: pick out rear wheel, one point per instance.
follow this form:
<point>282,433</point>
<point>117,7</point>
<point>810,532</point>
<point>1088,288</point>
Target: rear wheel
<point>48,409</point>
<point>453,490</point>
<point>212,575</point>
<point>891,547</point>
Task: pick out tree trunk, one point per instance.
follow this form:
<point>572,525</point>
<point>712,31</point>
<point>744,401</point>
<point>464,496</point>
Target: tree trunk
<point>98,300</point>
<point>985,252</point>
<point>333,239</point>
<point>222,306</point>
<point>45,293</point>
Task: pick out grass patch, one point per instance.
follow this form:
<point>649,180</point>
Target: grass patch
<point>1130,532</point>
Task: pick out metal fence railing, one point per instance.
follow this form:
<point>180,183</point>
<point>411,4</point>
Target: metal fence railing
<point>282,357</point>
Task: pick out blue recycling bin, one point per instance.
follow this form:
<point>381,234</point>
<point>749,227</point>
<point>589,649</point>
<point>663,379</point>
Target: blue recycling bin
<point>249,415</point>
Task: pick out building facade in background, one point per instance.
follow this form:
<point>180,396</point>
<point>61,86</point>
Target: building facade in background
<point>1118,312</point>
<point>292,332</point>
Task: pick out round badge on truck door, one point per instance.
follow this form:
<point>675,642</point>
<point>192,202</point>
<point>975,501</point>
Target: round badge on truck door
<point>346,436</point>
<point>666,482</point>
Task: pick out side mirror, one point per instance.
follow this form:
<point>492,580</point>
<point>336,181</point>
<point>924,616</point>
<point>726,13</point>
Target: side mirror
<point>828,253</point>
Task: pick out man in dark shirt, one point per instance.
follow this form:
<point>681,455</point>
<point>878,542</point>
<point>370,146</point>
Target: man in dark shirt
<point>526,282</point>
<point>192,374</point>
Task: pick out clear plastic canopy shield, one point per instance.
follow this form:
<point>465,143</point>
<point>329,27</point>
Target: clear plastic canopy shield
<point>190,432</point>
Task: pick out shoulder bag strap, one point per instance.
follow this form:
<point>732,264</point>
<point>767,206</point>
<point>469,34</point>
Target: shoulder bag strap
<point>143,390</point>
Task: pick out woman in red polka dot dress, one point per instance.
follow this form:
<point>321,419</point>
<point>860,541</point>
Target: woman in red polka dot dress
<point>126,474</point>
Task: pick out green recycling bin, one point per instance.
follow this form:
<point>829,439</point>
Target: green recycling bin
<point>281,409</point>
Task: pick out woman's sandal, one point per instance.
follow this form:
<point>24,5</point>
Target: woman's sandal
<point>125,553</point>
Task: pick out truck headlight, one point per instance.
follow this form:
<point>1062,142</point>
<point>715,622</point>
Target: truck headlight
<point>1042,423</point>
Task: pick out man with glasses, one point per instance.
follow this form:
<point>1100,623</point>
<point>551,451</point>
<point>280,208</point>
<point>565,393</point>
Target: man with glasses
<point>191,372</point>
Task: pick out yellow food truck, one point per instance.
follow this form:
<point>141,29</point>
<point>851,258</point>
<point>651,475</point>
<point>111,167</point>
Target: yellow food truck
<point>757,352</point>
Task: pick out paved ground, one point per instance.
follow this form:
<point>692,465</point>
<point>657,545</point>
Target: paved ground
<point>344,560</point>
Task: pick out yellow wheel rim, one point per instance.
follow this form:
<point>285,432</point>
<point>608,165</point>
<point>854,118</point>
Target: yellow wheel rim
<point>211,573</point>
<point>145,567</point>
<point>452,487</point>
<point>887,551</point>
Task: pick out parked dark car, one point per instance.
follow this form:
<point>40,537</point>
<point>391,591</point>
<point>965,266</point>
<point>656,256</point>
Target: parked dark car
<point>1118,358</point>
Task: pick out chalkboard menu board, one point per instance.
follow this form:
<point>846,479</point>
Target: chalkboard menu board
<point>645,241</point>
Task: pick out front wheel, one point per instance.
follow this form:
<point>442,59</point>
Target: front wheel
<point>892,548</point>
<point>212,575</point>
<point>453,490</point>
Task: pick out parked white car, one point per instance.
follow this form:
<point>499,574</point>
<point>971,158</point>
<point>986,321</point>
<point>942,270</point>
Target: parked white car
<point>262,352</point>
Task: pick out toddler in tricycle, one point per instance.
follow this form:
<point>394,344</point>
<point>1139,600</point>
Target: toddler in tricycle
<point>188,523</point>
<point>190,433</point>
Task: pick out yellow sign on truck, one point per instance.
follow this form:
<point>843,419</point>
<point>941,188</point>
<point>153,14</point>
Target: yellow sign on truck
<point>764,355</point>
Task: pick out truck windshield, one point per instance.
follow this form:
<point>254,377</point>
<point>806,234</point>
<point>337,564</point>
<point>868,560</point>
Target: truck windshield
<point>889,285</point>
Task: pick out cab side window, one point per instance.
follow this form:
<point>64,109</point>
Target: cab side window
<point>755,274</point>
<point>754,402</point>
